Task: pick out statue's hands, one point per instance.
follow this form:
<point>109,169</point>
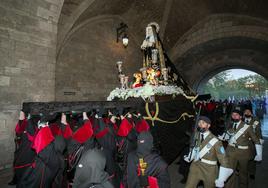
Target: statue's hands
<point>144,45</point>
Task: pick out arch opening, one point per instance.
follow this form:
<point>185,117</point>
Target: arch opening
<point>233,83</point>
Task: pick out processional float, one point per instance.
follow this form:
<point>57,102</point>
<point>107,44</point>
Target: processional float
<point>159,93</point>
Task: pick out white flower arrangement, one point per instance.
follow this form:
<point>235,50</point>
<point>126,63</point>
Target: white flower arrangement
<point>145,92</point>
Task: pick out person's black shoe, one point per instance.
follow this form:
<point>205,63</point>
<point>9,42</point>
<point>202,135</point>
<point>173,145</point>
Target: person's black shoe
<point>12,182</point>
<point>252,177</point>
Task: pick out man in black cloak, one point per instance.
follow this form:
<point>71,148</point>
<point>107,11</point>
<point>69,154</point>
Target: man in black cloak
<point>24,154</point>
<point>105,138</point>
<point>60,146</point>
<point>80,141</point>
<point>126,143</point>
<point>146,168</point>
<point>46,163</point>
<point>90,171</point>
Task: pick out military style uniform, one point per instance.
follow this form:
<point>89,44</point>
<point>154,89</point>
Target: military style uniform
<point>256,126</point>
<point>204,168</point>
<point>238,151</point>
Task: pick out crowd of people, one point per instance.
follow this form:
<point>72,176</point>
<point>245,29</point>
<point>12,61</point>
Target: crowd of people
<point>84,150</point>
<point>106,149</point>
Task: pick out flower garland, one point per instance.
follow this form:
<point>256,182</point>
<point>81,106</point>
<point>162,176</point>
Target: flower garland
<point>145,92</point>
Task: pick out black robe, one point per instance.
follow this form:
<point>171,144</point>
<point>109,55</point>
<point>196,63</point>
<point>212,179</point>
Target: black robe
<point>81,137</point>
<point>106,140</point>
<point>105,137</point>
<point>90,171</point>
<point>80,142</point>
<point>24,154</point>
<point>46,163</point>
<point>156,166</point>
<point>60,179</point>
<point>126,143</point>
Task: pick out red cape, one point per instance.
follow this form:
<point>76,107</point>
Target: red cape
<point>152,182</point>
<point>142,125</point>
<point>83,133</point>
<point>124,128</point>
<point>43,138</point>
<point>102,133</point>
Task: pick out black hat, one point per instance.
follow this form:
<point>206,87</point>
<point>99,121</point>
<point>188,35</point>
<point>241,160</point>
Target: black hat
<point>238,112</point>
<point>205,119</point>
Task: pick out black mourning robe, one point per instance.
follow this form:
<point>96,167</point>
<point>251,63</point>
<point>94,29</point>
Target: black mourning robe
<point>24,154</point>
<point>46,163</point>
<point>126,143</point>
<point>81,141</point>
<point>105,137</point>
<point>156,167</point>
<point>106,140</point>
<point>60,179</point>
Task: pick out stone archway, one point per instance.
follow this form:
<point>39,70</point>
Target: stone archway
<point>203,60</point>
<point>199,84</point>
<point>219,26</point>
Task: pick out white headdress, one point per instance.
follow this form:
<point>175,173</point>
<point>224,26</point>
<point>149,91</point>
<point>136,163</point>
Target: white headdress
<point>156,26</point>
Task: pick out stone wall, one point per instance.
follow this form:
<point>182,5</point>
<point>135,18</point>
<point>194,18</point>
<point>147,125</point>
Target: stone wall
<point>27,61</point>
<point>86,65</point>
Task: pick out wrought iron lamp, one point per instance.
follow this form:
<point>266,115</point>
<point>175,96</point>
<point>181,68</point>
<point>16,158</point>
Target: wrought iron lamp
<point>121,31</point>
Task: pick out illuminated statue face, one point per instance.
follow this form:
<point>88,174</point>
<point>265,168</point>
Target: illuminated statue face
<point>149,31</point>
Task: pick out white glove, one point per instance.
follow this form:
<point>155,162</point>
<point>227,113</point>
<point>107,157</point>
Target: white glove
<point>219,183</point>
<point>42,124</point>
<point>258,157</point>
<point>85,116</point>
<point>224,174</point>
<point>261,141</point>
<point>225,136</point>
<point>220,137</point>
<point>29,116</point>
<point>191,155</point>
<point>187,158</point>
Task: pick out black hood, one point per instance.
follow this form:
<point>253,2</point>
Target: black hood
<point>144,143</point>
<point>90,169</point>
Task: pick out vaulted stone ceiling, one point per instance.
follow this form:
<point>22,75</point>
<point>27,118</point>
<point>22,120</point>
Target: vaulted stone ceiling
<point>175,17</point>
<point>187,28</point>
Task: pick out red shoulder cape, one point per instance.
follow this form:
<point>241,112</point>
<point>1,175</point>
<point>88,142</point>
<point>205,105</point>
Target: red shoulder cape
<point>124,128</point>
<point>142,125</point>
<point>43,138</point>
<point>83,133</point>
